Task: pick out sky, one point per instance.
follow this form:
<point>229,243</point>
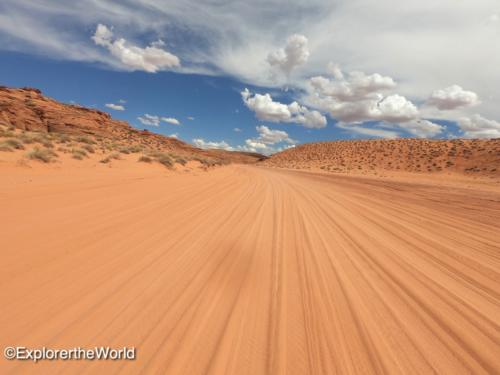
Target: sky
<point>265,75</point>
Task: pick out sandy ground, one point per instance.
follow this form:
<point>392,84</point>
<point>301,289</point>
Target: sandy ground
<point>248,270</point>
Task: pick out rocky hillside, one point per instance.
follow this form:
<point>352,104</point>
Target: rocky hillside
<point>474,157</point>
<point>27,109</point>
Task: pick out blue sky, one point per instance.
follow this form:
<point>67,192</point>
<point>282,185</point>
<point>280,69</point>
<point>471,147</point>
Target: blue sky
<point>320,71</point>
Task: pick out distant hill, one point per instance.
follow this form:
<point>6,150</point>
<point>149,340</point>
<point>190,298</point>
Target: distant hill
<point>28,109</point>
<point>473,157</point>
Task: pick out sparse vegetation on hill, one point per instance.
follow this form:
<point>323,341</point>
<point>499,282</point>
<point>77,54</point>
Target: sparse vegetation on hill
<point>467,156</point>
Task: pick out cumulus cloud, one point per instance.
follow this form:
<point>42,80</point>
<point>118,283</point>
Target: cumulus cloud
<point>149,120</point>
<point>267,109</point>
<point>479,127</point>
<point>116,107</point>
<point>150,59</point>
<point>453,97</point>
<point>356,86</point>
<point>201,143</point>
<point>359,97</point>
<point>422,128</point>
<point>266,139</point>
<point>392,108</point>
<point>237,130</point>
<point>175,135</point>
<point>171,120</point>
<point>269,136</point>
<point>295,53</point>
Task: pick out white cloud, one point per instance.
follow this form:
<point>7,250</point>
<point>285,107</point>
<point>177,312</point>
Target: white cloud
<point>265,141</point>
<point>171,120</point>
<point>122,101</point>
<point>175,135</point>
<point>479,127</point>
<point>418,128</point>
<point>237,130</point>
<point>453,97</point>
<point>371,132</point>
<point>149,120</point>
<point>191,118</point>
<point>267,109</point>
<point>116,107</point>
<point>201,143</point>
<point>393,108</point>
<point>234,38</point>
<point>359,97</point>
<point>150,59</point>
<point>269,136</point>
<point>422,128</point>
<point>357,86</point>
<point>294,54</point>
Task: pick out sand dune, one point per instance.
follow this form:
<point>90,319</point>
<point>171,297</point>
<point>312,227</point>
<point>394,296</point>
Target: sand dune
<point>248,270</point>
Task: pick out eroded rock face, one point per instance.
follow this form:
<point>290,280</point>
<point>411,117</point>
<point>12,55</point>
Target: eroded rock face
<point>28,109</point>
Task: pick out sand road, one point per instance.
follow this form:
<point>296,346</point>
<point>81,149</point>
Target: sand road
<point>247,270</point>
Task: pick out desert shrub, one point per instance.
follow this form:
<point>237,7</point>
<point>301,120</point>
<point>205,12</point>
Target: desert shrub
<point>62,138</point>
<point>26,138</point>
<point>165,159</point>
<point>135,149</point>
<point>145,159</point>
<point>4,132</point>
<point>78,153</point>
<point>14,143</point>
<point>112,156</point>
<point>63,149</point>
<point>5,147</point>
<point>130,149</point>
<point>42,154</point>
<point>85,139</point>
<point>88,148</point>
<point>180,160</point>
<point>47,144</point>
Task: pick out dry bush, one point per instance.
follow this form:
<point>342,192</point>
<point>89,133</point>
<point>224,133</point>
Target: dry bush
<point>78,153</point>
<point>88,148</point>
<point>145,159</point>
<point>112,156</point>
<point>14,143</point>
<point>165,159</point>
<point>42,154</point>
<point>85,139</point>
